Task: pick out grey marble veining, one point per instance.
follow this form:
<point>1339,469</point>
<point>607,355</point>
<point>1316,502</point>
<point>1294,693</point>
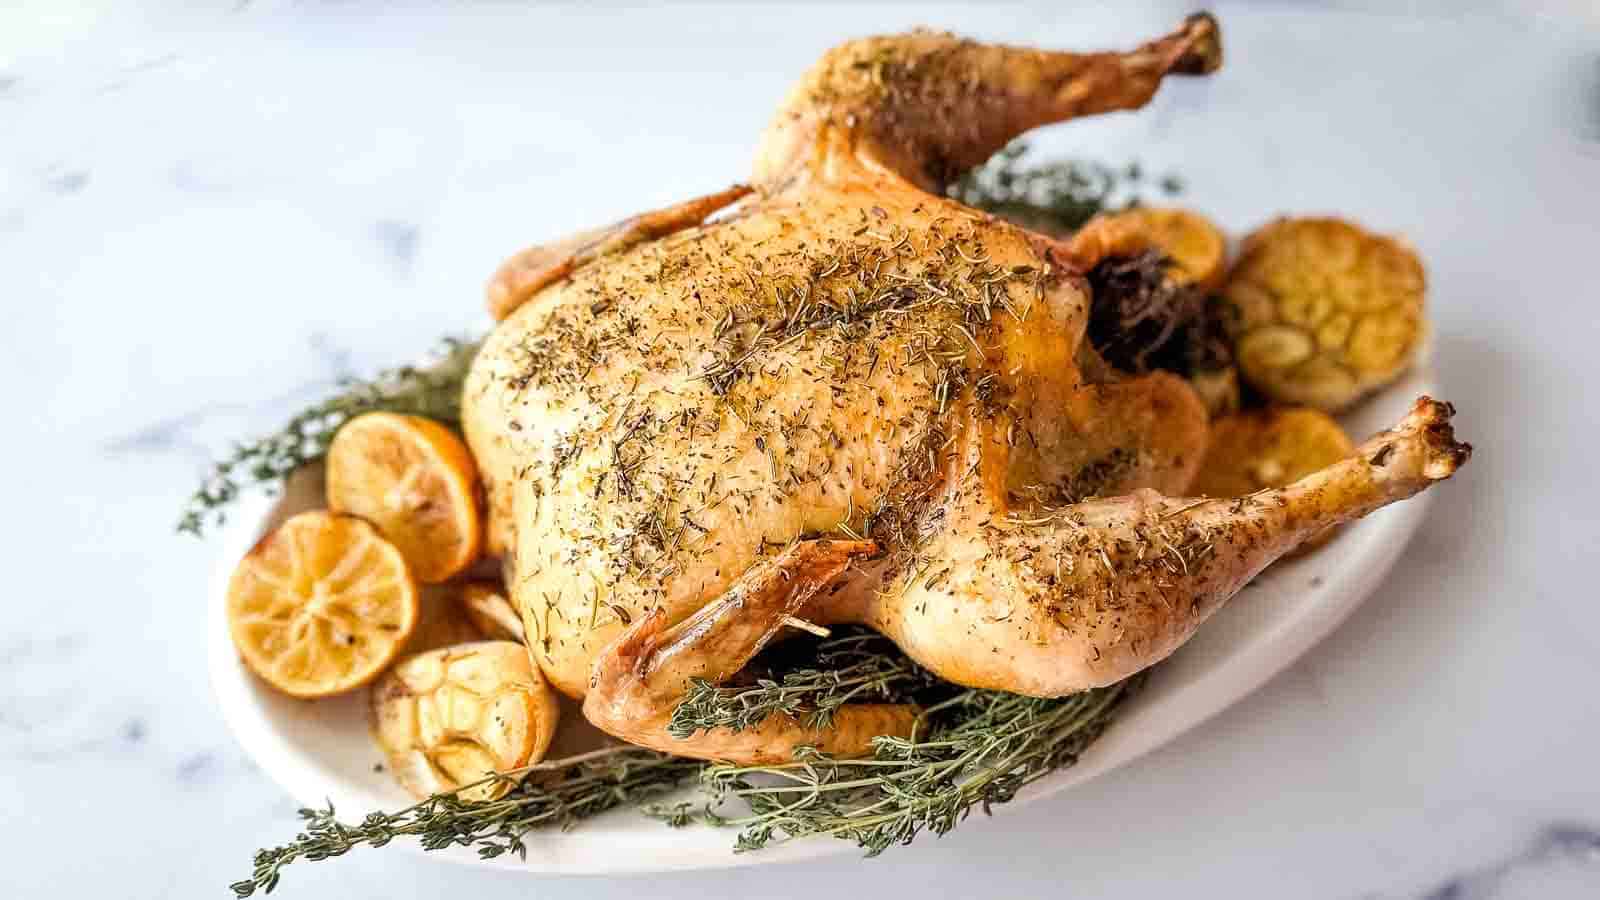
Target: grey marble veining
<point>209,214</point>
<point>1560,861</point>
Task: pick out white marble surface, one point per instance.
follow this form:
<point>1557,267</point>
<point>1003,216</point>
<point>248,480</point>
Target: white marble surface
<point>207,214</point>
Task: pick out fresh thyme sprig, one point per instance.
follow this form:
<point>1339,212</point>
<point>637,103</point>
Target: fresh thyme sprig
<point>556,793</point>
<point>1055,196</point>
<point>852,667</point>
<point>979,749</point>
<point>974,748</point>
<point>432,390</point>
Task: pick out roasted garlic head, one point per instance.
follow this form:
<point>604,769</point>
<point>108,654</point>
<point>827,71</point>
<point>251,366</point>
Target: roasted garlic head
<point>451,717</point>
<point>1323,312</point>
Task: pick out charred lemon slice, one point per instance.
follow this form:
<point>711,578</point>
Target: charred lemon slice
<point>485,604</point>
<point>1270,448</point>
<point>452,717</point>
<point>415,480</point>
<point>321,605</point>
<point>1323,312</point>
<point>1197,247</point>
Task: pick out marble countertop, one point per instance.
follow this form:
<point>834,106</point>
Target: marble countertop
<point>210,213</point>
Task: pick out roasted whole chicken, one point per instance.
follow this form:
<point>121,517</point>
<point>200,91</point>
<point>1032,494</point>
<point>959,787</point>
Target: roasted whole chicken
<point>848,399</point>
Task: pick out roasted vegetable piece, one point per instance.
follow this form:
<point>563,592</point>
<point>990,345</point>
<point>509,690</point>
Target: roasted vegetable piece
<point>1269,448</point>
<point>452,717</point>
<point>1323,312</point>
<point>321,605</point>
<point>416,481</point>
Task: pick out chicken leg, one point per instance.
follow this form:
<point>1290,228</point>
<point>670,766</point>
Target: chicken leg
<point>1050,601</point>
<point>928,106</point>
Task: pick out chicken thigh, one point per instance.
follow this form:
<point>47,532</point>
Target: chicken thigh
<point>851,400</point>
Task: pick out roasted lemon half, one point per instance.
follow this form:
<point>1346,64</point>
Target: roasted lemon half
<point>415,480</point>
<point>450,718</point>
<point>321,605</point>
<point>1195,245</point>
<point>1323,312</point>
<point>1269,448</point>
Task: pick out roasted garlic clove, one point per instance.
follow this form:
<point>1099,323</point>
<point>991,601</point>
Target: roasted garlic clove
<point>1323,312</point>
<point>485,605</point>
<point>450,717</point>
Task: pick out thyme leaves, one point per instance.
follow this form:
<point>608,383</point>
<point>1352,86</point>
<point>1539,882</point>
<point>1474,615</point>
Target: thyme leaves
<point>981,748</point>
<point>1057,196</point>
<point>853,667</point>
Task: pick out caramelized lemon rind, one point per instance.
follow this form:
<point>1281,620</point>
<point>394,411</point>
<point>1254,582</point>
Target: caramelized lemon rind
<point>416,481</point>
<point>486,605</point>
